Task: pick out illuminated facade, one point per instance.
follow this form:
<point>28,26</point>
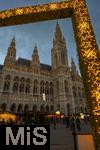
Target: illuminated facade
<point>88,54</point>
<point>29,85</point>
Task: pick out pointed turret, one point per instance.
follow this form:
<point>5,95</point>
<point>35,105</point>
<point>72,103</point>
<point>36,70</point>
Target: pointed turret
<point>35,49</point>
<point>10,58</point>
<point>35,57</point>
<point>58,33</point>
<point>13,43</point>
<point>12,49</point>
<point>73,66</point>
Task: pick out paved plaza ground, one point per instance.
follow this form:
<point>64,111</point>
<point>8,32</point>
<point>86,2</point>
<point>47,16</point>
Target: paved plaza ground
<point>61,138</point>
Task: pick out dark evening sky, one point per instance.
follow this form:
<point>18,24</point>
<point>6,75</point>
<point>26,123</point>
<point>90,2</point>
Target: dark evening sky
<point>42,33</point>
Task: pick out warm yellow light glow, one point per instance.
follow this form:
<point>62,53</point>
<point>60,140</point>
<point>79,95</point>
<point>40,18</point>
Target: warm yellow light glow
<point>7,117</point>
<point>57,112</point>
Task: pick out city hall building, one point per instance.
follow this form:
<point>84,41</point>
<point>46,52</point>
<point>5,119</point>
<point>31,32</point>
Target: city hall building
<point>29,85</point>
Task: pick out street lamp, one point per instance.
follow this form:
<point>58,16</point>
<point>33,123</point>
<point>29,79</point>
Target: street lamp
<point>57,112</point>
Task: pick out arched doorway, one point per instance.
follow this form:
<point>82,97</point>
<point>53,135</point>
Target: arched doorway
<point>3,107</point>
<point>20,108</point>
<point>26,108</point>
<point>52,108</point>
<point>81,109</point>
<point>34,108</point>
<point>47,108</point>
<point>13,107</point>
<point>42,108</point>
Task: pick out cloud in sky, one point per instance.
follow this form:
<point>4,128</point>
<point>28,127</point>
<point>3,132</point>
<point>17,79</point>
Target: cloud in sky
<point>42,33</point>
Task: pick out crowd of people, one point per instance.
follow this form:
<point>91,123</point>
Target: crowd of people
<point>68,121</point>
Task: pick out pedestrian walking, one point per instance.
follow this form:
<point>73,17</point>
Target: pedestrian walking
<point>72,123</point>
<point>67,121</point>
<point>78,123</point>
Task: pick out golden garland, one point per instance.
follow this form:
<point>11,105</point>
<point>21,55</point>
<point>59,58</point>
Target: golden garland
<point>89,56</point>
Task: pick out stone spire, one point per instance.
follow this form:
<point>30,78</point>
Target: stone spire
<point>35,56</point>
<point>10,58</point>
<point>59,50</point>
<point>35,51</point>
<point>73,66</point>
<point>13,42</point>
<point>58,33</point>
<point>11,53</point>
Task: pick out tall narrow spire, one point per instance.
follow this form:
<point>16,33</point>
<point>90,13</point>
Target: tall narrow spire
<point>13,43</point>
<point>11,54</point>
<point>58,33</point>
<point>73,66</point>
<point>35,56</point>
<point>59,51</point>
<point>35,49</point>
<point>12,48</point>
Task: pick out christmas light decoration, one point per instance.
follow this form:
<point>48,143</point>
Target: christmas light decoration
<point>89,56</point>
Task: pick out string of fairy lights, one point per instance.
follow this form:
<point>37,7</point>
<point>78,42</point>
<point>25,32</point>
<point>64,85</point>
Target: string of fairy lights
<point>86,44</point>
<point>90,64</point>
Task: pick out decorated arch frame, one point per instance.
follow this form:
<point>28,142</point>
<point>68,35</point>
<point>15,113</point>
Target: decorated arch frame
<point>87,49</point>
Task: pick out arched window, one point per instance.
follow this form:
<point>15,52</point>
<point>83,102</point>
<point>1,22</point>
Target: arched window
<point>47,108</point>
<point>7,77</point>
<point>6,86</point>
<point>81,109</point>
<point>27,88</point>
<point>3,107</point>
<point>21,87</point>
<point>73,77</point>
<point>74,91</point>
<point>7,83</point>
<point>51,89</point>
<point>57,86</point>
<point>55,58</point>
<point>26,108</point>
<point>86,111</point>
<point>63,58</point>
<point>52,108</point>
<point>13,107</point>
<point>15,87</point>
<point>66,86</point>
<point>42,108</point>
<point>42,87</point>
<point>47,88</point>
<point>20,108</point>
<point>34,108</point>
<point>35,87</point>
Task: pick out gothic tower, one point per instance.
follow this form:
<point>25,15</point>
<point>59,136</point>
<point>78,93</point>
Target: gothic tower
<point>61,73</point>
<point>59,52</point>
<point>35,63</point>
<point>10,58</point>
<point>35,57</point>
